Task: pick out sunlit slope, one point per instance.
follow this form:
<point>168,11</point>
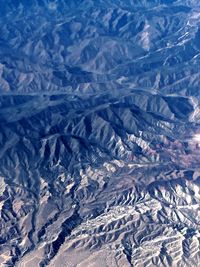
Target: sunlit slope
<point>99,133</point>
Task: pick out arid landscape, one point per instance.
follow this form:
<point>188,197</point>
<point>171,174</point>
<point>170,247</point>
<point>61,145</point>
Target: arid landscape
<point>100,133</point>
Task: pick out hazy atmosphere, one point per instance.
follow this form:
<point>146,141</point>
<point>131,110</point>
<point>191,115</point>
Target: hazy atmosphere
<point>100,133</point>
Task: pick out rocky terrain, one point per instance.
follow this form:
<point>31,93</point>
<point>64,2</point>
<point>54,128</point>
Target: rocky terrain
<point>99,133</point>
